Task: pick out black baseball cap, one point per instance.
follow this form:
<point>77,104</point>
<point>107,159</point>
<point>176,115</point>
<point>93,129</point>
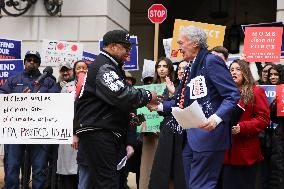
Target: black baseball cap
<point>117,36</point>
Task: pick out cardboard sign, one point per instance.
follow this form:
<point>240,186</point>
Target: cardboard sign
<point>280,99</point>
<point>133,63</point>
<point>215,35</point>
<point>10,49</point>
<point>263,44</point>
<point>10,68</point>
<point>36,118</point>
<point>153,120</point>
<point>54,52</point>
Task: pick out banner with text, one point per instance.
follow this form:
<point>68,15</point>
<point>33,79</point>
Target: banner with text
<point>9,68</point>
<point>215,35</point>
<point>54,52</point>
<point>133,63</point>
<point>273,24</point>
<point>36,118</point>
<point>153,120</point>
<point>90,57</point>
<point>10,49</point>
<point>263,44</point>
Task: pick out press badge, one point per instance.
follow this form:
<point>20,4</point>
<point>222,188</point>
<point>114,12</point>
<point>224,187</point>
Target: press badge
<point>197,87</point>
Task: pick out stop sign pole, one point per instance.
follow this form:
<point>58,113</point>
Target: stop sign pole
<point>157,13</point>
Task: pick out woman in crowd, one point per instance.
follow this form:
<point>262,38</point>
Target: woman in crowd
<point>67,167</point>
<point>275,76</point>
<point>167,170</point>
<point>240,164</point>
<point>264,74</point>
<point>163,68</point>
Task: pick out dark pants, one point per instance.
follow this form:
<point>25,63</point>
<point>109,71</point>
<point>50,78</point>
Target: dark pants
<point>14,154</point>
<point>67,181</point>
<point>239,177</point>
<point>202,169</point>
<point>101,149</point>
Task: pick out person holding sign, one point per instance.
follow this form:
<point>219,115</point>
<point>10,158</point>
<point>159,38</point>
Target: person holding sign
<point>240,164</point>
<point>103,108</point>
<point>163,69</point>
<point>167,170</point>
<point>208,81</point>
<point>27,82</point>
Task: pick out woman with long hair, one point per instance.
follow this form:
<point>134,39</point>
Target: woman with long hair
<point>240,164</point>
<point>167,171</point>
<point>163,69</point>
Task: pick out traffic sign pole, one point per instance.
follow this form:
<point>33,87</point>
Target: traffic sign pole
<point>156,40</point>
<point>157,13</point>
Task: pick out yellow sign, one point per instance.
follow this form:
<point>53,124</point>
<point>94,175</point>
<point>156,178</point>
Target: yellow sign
<point>215,35</point>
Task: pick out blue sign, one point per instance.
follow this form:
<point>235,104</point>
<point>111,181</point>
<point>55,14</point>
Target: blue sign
<point>273,24</point>
<point>133,63</point>
<point>10,49</point>
<point>10,68</point>
<point>270,92</point>
<point>89,56</point>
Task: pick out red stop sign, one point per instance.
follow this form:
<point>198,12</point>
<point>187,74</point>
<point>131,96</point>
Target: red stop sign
<point>157,13</point>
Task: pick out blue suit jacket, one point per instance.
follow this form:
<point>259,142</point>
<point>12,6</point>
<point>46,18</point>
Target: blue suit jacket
<point>217,93</point>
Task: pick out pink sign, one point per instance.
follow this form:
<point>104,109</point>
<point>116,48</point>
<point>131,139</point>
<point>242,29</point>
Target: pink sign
<point>263,44</point>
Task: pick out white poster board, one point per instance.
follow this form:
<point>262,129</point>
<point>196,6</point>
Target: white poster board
<point>36,118</point>
<point>54,52</point>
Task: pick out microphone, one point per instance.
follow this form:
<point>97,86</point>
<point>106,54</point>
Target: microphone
<point>46,72</point>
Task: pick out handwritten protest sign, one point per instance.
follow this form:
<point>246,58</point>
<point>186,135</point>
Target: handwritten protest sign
<point>9,68</point>
<point>10,49</point>
<point>54,52</point>
<point>215,35</point>
<point>263,44</point>
<point>153,120</point>
<point>36,118</point>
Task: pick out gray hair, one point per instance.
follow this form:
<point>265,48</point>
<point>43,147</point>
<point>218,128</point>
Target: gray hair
<point>195,34</point>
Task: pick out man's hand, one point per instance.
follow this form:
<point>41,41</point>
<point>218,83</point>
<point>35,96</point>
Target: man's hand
<point>152,107</point>
<point>155,99</point>
<point>236,129</point>
<point>75,143</point>
<point>129,151</point>
<point>62,83</point>
<point>209,125</point>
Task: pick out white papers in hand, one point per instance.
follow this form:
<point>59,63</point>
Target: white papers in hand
<point>190,117</point>
<point>122,163</point>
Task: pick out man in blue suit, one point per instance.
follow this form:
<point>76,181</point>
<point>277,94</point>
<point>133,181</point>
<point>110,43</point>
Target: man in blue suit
<point>209,82</point>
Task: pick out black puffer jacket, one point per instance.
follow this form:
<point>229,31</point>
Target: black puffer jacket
<point>276,180</point>
<point>106,99</point>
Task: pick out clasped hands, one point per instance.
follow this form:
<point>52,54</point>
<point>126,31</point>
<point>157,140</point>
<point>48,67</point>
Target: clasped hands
<point>153,104</point>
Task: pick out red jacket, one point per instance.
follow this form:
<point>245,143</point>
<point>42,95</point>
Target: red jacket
<point>245,149</point>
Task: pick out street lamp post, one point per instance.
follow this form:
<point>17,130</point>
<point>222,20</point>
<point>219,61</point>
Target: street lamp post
<point>19,7</point>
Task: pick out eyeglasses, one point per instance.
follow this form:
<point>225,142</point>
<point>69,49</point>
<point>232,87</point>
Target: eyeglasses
<point>35,60</point>
<point>126,46</point>
<point>265,71</point>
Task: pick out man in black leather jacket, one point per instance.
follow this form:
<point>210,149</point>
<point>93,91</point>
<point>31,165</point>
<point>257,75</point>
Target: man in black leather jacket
<point>103,107</point>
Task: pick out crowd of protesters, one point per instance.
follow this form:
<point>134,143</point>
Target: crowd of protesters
<point>246,153</point>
